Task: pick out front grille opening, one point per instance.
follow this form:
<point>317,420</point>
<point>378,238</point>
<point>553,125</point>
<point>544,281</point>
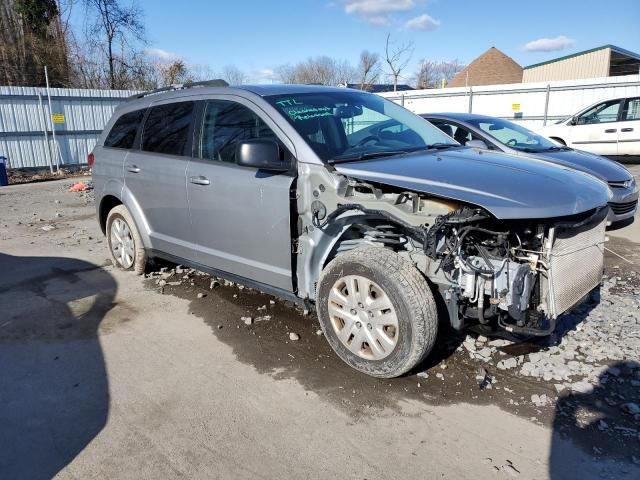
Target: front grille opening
<point>622,208</point>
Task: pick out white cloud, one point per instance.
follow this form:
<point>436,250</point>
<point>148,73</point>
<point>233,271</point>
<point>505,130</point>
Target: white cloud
<point>263,75</point>
<point>422,22</point>
<point>163,56</point>
<point>377,12</point>
<point>549,44</point>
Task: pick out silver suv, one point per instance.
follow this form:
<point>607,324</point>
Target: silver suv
<point>311,194</point>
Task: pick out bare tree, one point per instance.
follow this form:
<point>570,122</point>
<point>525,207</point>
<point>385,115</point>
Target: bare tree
<point>30,38</point>
<point>119,27</point>
<point>233,75</point>
<point>427,75</point>
<point>432,74</point>
<point>321,70</point>
<point>175,72</point>
<point>397,58</point>
<point>369,69</point>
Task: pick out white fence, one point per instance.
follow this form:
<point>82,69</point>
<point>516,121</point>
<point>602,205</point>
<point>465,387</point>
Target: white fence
<point>27,124</point>
<point>531,103</point>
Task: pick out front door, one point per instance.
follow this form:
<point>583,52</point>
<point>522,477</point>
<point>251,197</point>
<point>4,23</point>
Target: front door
<point>596,130</point>
<point>629,136</point>
<point>155,177</point>
<point>240,215</point>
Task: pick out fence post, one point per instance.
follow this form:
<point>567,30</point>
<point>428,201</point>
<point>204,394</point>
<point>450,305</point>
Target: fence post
<point>43,123</point>
<point>402,99</point>
<point>546,104</point>
<point>470,99</point>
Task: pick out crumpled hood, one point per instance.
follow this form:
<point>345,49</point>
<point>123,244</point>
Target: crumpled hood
<point>509,187</point>
<point>601,167</point>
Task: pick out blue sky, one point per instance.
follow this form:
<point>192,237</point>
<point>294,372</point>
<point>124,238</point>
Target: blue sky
<point>258,35</point>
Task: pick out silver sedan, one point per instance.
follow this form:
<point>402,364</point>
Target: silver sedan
<point>498,134</point>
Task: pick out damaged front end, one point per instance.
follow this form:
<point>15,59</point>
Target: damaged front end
<point>518,275</point>
<point>513,274</point>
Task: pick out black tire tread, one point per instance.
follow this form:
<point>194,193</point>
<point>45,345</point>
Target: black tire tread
<point>418,296</point>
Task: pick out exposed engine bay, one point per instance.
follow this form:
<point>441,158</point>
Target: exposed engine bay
<point>518,275</point>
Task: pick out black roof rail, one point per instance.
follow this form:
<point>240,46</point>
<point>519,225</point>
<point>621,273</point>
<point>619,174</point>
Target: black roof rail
<point>218,82</point>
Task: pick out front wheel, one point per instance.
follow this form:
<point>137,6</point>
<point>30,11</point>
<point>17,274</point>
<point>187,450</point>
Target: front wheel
<point>377,311</point>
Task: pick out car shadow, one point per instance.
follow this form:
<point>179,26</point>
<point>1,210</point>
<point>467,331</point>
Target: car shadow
<point>603,423</point>
<point>54,393</point>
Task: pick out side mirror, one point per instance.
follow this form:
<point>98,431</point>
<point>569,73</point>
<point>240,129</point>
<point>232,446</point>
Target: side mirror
<point>260,154</point>
<point>477,144</point>
<point>573,121</point>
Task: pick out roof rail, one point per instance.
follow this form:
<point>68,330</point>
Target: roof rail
<point>218,82</point>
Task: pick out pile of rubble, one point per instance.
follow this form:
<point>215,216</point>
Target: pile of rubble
<point>587,341</point>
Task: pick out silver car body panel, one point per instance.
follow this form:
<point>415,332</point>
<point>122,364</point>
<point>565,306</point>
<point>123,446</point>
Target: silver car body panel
<point>500,183</point>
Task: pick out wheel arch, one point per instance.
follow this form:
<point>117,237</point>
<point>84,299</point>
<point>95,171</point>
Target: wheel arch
<point>326,246</point>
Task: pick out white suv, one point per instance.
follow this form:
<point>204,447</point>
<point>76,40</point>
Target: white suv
<point>611,128</point>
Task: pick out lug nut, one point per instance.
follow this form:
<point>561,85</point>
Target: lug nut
<point>354,311</point>
<point>358,324</point>
<point>371,314</point>
<point>361,305</point>
<point>370,326</point>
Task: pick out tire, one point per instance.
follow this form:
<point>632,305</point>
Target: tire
<point>136,259</point>
<point>559,140</point>
<point>390,285</point>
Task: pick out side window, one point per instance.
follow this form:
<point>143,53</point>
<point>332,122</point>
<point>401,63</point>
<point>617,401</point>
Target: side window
<point>631,109</point>
<point>602,113</point>
<point>445,127</point>
<point>123,133</point>
<point>167,128</point>
<point>226,124</point>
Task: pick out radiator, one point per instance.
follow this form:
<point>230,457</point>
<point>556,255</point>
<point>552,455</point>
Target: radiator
<point>576,262</point>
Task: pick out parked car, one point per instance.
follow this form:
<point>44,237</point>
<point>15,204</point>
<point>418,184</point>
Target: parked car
<point>505,136</point>
<point>275,188</point>
<point>611,128</point>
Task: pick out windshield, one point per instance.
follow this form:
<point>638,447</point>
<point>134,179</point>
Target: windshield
<point>513,135</point>
<point>351,125</point>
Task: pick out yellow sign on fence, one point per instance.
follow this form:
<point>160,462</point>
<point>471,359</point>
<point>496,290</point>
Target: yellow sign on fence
<point>57,117</point>
<point>515,107</point>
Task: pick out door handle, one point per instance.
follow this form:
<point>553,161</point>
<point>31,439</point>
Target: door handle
<point>199,180</point>
<point>134,169</point>
<point>610,130</point>
<point>627,130</point>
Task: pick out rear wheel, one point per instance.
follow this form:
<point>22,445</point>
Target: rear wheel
<point>125,246</point>
<point>377,311</point>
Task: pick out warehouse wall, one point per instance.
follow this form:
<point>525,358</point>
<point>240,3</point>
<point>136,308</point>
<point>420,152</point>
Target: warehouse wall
<point>589,65</point>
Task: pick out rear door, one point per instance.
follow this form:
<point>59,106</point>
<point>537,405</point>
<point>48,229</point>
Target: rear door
<point>155,176</point>
<point>240,215</point>
<point>629,125</point>
<point>596,130</point>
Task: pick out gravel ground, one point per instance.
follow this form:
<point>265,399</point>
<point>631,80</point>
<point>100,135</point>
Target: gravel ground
<point>583,381</point>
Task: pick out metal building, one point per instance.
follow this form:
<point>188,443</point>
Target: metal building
<point>605,61</point>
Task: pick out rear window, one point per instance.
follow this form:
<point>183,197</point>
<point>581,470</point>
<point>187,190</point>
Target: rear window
<point>123,133</point>
<point>167,128</point>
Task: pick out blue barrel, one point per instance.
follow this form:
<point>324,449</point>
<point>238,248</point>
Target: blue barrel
<point>4,180</point>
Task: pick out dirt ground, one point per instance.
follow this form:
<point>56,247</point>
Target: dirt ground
<point>109,375</point>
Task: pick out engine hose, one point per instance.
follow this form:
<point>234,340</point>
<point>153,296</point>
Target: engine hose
<point>528,330</point>
<point>481,318</point>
